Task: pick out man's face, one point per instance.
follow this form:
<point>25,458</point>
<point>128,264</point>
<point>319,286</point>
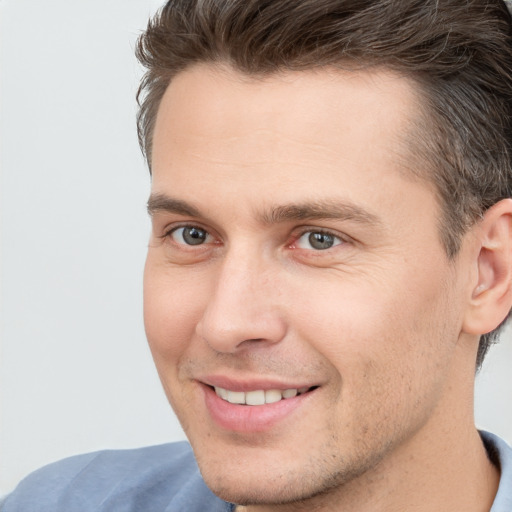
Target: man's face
<point>292,260</point>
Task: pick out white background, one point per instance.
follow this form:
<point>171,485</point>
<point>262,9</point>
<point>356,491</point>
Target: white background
<point>76,374</point>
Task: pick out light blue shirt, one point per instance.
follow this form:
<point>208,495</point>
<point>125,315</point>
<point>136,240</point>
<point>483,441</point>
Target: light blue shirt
<point>158,479</point>
<point>498,449</point>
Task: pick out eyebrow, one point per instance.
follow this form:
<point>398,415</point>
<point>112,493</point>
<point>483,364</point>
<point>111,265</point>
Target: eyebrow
<point>328,209</point>
<point>163,203</point>
<point>319,210</point>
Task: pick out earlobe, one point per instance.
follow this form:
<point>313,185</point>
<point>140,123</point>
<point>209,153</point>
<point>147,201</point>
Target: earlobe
<point>491,297</point>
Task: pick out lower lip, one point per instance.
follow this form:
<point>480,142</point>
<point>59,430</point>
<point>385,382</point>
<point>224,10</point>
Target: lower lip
<point>250,418</point>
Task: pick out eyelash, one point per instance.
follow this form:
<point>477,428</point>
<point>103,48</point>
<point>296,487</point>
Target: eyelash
<point>170,232</point>
<point>336,239</point>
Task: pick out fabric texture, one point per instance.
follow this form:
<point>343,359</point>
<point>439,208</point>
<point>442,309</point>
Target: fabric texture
<point>159,479</point>
<point>156,479</point>
<point>501,454</point>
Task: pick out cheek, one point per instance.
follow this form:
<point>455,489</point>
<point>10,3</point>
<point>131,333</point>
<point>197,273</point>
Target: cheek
<point>172,308</point>
<point>382,339</point>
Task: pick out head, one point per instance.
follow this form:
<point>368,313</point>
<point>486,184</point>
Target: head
<point>458,55</point>
<point>278,260</point>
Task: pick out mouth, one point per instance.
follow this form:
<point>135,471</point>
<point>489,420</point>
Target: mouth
<point>256,406</point>
<point>259,396</point>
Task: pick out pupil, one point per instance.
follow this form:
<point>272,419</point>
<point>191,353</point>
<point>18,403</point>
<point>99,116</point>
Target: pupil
<point>321,241</point>
<point>194,236</point>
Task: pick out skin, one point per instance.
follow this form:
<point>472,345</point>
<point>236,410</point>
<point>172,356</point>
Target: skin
<point>382,322</point>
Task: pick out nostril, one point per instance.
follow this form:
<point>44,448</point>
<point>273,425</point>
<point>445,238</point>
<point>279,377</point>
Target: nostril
<point>253,340</point>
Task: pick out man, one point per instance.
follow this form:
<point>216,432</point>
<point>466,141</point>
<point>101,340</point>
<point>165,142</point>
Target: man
<point>330,259</point>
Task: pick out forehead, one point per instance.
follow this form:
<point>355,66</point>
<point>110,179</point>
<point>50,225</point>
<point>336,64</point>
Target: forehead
<point>258,135</point>
<point>219,100</point>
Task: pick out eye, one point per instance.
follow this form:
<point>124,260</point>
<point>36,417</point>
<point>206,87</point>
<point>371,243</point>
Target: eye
<point>190,235</point>
<point>317,240</point>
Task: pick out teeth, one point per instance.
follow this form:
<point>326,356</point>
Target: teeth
<point>235,397</point>
<point>272,396</point>
<point>258,396</point>
<point>255,397</point>
<point>289,393</point>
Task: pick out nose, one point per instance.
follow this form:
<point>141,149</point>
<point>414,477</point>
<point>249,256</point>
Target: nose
<point>243,307</point>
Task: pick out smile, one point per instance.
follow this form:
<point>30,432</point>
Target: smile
<point>253,407</point>
<point>259,396</point>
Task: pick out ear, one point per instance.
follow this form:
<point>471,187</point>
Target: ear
<point>491,298</point>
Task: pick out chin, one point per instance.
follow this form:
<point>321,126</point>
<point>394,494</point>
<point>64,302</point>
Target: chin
<point>291,489</point>
<point>273,480</point>
<point>258,492</point>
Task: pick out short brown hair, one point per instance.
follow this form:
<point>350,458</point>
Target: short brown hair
<point>458,52</point>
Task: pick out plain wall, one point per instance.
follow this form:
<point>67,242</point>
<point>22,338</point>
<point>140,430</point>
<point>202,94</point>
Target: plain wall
<point>76,374</point>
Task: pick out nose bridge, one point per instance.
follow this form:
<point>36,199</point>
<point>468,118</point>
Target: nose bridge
<point>243,305</point>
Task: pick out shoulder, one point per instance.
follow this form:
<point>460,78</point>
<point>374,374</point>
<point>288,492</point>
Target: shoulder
<point>158,478</point>
<point>500,454</point>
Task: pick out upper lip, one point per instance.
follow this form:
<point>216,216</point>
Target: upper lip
<point>225,382</point>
